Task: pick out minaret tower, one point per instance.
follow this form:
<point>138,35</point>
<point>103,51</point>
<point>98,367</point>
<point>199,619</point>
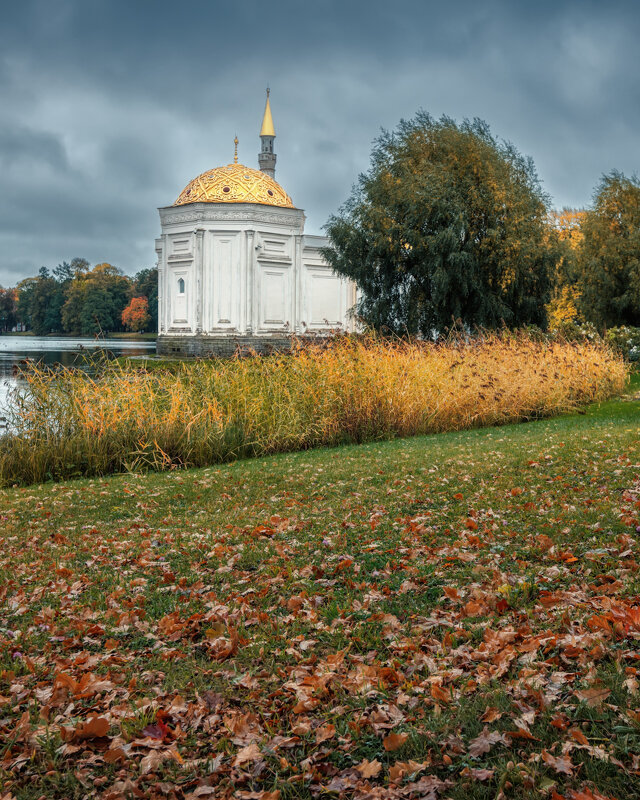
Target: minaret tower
<point>266,157</point>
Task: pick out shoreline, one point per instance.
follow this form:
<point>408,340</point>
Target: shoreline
<point>142,337</point>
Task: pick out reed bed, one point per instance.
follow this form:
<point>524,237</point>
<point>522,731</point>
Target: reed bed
<point>67,423</point>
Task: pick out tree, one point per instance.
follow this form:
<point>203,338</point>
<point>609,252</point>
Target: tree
<point>8,316</point>
<point>39,303</point>
<point>566,227</point>
<point>610,253</point>
<point>145,284</point>
<point>95,300</point>
<point>136,316</point>
<point>447,224</point>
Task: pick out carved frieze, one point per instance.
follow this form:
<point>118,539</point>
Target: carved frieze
<point>218,213</point>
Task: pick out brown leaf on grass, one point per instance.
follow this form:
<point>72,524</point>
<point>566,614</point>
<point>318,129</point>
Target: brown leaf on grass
<point>578,736</point>
<point>482,744</point>
<point>152,761</point>
<point>249,753</point>
<point>94,728</point>
<point>491,714</point>
<point>440,694</point>
<point>588,794</point>
<point>478,774</point>
<point>221,648</point>
<point>594,696</point>
<point>561,764</point>
<point>305,705</point>
<point>325,732</point>
<point>394,741</point>
<point>369,769</point>
<point>401,769</point>
<point>244,728</point>
<point>114,754</point>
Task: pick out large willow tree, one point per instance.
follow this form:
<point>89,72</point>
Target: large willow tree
<point>447,225</point>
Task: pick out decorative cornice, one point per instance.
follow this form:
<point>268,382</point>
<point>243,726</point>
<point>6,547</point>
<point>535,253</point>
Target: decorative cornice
<point>214,212</point>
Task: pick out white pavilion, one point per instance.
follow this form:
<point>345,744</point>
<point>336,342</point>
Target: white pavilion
<point>235,268</point>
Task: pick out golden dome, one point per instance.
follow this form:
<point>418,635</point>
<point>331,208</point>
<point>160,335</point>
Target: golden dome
<point>234,183</point>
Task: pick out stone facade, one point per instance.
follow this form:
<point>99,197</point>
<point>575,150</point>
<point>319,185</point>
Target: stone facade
<point>243,271</point>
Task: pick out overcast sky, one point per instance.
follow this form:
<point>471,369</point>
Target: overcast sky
<point>109,108</point>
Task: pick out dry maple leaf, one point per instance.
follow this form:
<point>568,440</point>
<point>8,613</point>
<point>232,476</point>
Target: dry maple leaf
<point>482,744</point>
<point>394,741</point>
<point>249,753</point>
<point>369,769</point>
<point>561,764</point>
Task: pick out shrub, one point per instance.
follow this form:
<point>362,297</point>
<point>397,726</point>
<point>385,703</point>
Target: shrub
<point>626,340</point>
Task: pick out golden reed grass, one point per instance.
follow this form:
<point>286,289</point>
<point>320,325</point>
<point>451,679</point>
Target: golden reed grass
<point>358,389</point>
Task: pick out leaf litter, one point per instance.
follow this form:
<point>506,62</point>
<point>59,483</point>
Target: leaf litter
<point>394,621</point>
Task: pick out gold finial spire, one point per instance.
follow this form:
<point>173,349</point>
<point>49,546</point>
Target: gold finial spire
<point>235,150</point>
<point>267,120</point>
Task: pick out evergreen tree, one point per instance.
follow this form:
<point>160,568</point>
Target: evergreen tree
<point>447,224</point>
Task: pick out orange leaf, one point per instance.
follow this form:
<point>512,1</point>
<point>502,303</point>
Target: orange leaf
<point>578,736</point>
<point>443,695</point>
<point>394,741</point>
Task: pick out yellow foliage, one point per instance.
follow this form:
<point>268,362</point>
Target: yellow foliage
<point>350,390</point>
<point>568,224</point>
<point>564,307</point>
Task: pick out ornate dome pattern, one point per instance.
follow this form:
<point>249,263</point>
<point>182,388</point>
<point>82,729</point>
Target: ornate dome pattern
<point>234,183</point>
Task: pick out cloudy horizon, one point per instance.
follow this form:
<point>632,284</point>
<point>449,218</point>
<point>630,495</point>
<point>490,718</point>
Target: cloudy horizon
<point>110,109</point>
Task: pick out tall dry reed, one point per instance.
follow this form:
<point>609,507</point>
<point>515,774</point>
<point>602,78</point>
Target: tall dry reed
<point>68,422</point>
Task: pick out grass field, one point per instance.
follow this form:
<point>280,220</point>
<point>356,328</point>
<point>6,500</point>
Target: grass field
<point>450,616</point>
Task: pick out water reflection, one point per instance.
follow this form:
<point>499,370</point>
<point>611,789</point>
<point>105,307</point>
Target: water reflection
<point>16,349</point>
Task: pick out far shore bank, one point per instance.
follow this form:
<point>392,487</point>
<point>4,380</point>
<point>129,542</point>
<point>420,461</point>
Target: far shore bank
<point>143,337</point>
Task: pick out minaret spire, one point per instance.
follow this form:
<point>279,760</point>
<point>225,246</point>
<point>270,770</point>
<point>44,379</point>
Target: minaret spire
<point>266,157</point>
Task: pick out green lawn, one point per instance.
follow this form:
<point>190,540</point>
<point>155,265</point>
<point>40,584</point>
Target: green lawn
<point>451,616</point>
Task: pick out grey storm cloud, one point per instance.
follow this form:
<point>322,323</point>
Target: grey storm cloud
<point>108,108</point>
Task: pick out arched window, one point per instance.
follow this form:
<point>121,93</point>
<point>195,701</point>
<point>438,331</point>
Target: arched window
<point>180,285</point>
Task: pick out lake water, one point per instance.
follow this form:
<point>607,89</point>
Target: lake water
<point>16,349</point>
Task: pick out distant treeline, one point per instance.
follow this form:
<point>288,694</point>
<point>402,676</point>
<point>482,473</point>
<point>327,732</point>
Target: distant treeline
<point>73,298</point>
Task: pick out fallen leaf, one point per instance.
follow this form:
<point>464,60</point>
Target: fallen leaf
<point>594,696</point>
<point>249,753</point>
<point>394,741</point>
<point>482,744</point>
<point>561,764</point>
<point>369,769</point>
<point>325,732</point>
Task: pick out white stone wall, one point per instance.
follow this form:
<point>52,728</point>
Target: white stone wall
<point>245,269</point>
